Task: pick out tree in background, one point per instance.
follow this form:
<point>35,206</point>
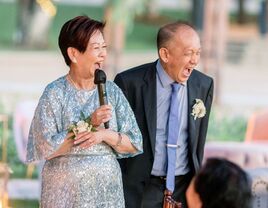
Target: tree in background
<point>263,18</point>
<point>151,9</point>
<point>241,12</point>
<point>214,37</point>
<point>119,17</point>
<point>198,13</point>
<point>33,22</point>
<point>25,10</point>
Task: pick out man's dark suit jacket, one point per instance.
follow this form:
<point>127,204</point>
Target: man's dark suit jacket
<point>139,86</point>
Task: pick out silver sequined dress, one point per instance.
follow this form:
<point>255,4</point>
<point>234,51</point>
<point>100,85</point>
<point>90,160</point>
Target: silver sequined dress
<point>84,177</point>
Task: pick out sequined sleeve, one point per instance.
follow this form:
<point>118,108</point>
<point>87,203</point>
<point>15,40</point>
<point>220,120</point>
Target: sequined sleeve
<point>126,121</point>
<point>45,134</point>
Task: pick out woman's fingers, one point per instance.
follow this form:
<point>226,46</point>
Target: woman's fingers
<point>85,139</point>
<point>106,119</point>
<point>89,139</point>
<point>81,137</point>
<point>86,144</point>
<point>105,107</point>
<point>101,115</point>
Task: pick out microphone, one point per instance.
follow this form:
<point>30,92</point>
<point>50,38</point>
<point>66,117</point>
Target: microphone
<point>100,80</point>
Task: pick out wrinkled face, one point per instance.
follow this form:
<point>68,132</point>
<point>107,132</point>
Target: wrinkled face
<point>94,55</point>
<point>182,54</point>
<point>193,199</point>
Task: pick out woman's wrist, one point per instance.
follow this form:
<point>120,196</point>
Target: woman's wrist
<point>119,140</point>
<point>112,138</point>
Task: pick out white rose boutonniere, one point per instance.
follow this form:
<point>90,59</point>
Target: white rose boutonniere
<point>84,124</point>
<point>199,109</point>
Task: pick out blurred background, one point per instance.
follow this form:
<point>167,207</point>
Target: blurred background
<point>234,53</point>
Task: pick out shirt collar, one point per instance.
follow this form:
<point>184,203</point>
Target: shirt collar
<point>164,78</point>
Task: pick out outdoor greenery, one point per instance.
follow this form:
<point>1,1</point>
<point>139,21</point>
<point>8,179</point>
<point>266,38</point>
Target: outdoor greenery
<point>142,36</point>
<point>7,24</point>
<point>19,169</point>
<point>226,128</point>
<point>23,203</point>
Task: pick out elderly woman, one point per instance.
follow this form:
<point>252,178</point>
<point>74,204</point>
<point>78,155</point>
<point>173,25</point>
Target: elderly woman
<point>81,170</point>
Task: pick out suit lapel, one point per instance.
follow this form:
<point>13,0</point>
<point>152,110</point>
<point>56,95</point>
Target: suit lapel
<point>149,97</point>
<point>193,92</point>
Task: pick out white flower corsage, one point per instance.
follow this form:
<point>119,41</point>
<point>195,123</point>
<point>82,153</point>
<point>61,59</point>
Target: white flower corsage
<point>82,125</point>
<point>199,109</point>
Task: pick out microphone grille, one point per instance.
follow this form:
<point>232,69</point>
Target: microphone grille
<point>99,77</point>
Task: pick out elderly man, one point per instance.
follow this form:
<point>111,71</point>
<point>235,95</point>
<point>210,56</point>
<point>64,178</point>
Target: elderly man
<point>171,102</point>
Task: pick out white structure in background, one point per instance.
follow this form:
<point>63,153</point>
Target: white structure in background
<point>23,115</point>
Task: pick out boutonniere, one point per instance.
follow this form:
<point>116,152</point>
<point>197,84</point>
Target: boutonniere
<point>199,109</point>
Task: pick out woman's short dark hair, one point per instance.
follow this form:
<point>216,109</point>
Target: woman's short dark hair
<point>76,33</point>
<point>221,183</point>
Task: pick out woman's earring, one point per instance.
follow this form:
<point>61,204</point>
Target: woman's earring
<point>74,60</point>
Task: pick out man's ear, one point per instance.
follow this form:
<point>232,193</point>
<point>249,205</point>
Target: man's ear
<point>72,53</point>
<point>163,53</point>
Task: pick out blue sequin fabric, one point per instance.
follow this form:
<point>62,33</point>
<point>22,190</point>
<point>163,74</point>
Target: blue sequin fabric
<point>83,177</point>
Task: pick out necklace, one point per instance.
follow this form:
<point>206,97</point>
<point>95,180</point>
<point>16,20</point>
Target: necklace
<point>81,96</point>
<point>73,83</point>
<point>76,85</point>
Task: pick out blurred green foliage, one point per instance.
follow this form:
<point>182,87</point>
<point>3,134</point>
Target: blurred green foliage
<point>23,203</point>
<point>7,23</point>
<point>141,37</point>
<point>19,169</point>
<point>66,12</point>
<point>249,18</point>
<point>223,127</point>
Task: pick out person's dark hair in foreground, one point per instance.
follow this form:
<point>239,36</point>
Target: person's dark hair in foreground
<point>220,184</point>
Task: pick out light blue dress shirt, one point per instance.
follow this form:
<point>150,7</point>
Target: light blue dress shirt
<point>163,84</point>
